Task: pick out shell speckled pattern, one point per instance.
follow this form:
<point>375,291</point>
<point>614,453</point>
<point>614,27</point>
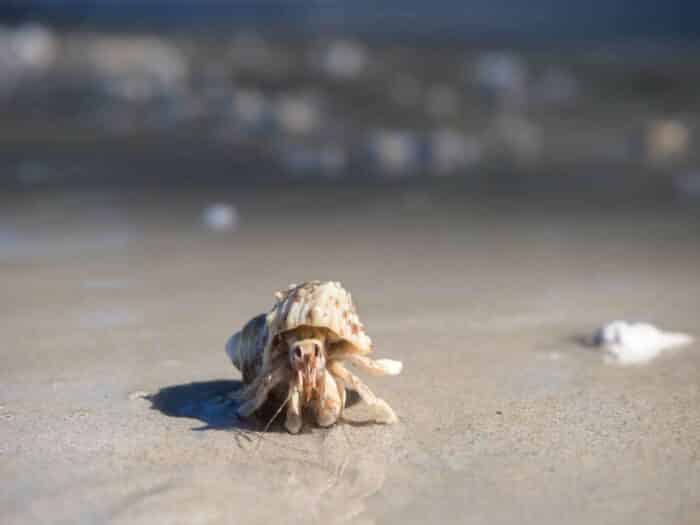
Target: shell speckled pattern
<point>300,348</point>
<point>322,305</point>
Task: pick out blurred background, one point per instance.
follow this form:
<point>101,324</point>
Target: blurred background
<point>527,96</point>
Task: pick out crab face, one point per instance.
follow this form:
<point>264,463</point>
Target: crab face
<point>307,358</point>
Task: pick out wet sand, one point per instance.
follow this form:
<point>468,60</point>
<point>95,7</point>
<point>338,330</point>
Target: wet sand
<point>116,307</point>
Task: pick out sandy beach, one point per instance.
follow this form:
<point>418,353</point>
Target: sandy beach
<point>113,378</point>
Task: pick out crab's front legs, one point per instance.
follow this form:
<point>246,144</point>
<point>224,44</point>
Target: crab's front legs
<point>327,407</point>
<point>383,413</point>
<point>293,421</point>
<point>330,404</point>
<point>264,385</point>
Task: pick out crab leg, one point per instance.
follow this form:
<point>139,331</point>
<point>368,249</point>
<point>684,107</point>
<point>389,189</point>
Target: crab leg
<point>379,367</point>
<point>293,420</point>
<point>343,351</point>
<point>246,391</point>
<point>249,390</point>
<point>267,383</point>
<point>329,405</point>
<point>341,392</point>
<point>383,413</point>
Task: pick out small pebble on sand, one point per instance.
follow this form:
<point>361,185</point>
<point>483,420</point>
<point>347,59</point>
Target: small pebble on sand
<point>220,217</point>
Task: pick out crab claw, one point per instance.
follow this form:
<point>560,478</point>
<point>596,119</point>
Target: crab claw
<point>309,378</point>
<point>300,380</point>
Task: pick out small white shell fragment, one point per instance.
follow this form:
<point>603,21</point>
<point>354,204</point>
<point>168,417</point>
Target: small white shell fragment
<point>637,343</point>
<point>220,217</point>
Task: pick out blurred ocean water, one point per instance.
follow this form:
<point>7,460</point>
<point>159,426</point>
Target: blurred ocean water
<point>455,19</point>
<point>103,91</point>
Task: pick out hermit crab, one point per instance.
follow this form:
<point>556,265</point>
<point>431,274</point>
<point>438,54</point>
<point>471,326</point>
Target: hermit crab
<point>296,353</point>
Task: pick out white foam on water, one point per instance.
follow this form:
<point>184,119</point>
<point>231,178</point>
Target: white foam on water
<point>395,151</point>
<point>299,114</point>
<point>345,59</point>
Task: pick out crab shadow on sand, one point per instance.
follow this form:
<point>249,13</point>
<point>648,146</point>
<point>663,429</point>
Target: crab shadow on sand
<point>210,402</point>
<point>206,401</point>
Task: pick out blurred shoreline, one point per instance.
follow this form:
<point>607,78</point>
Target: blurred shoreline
<point>82,108</point>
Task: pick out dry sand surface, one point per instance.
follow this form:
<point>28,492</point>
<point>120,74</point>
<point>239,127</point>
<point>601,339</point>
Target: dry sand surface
<point>116,308</point>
